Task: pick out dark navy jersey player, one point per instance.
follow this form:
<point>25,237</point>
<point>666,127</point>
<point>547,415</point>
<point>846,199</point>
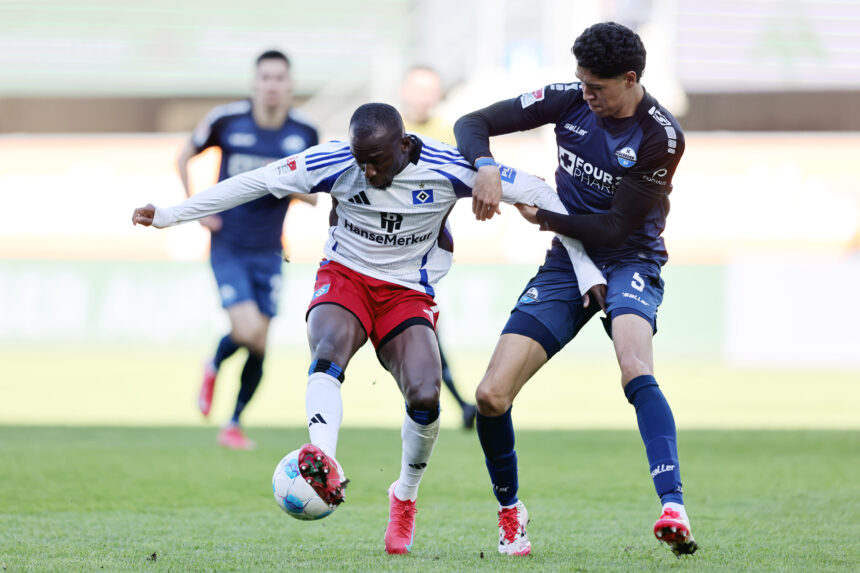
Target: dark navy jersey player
<point>246,240</point>
<point>618,150</point>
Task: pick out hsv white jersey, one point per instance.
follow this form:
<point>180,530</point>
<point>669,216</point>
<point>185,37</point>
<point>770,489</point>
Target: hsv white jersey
<point>399,234</point>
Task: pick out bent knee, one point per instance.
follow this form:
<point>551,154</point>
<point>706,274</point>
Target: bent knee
<point>632,367</point>
<point>491,399</point>
<point>423,394</point>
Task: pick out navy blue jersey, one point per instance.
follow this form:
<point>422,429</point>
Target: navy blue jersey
<point>595,157</point>
<point>244,146</point>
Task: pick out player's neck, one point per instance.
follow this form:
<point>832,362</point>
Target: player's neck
<point>270,117</point>
<point>629,108</point>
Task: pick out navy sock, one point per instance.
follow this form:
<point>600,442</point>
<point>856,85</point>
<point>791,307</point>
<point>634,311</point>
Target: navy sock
<point>423,417</point>
<point>449,380</point>
<point>657,427</point>
<point>252,373</point>
<point>226,349</point>
<point>496,434</point>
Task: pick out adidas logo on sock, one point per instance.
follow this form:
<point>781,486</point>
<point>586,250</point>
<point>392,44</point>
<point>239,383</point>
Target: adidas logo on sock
<point>420,466</point>
<point>360,199</point>
<point>316,419</point>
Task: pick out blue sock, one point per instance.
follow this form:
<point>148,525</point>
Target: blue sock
<point>496,434</point>
<point>657,427</point>
<point>226,349</point>
<point>252,373</point>
<point>423,417</point>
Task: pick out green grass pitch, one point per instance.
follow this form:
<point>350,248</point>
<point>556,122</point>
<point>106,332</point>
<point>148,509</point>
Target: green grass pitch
<point>104,465</point>
<point>150,499</point>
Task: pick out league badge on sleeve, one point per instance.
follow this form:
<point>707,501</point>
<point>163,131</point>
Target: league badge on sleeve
<point>422,196</point>
<point>529,98</point>
<point>286,165</point>
<point>508,173</point>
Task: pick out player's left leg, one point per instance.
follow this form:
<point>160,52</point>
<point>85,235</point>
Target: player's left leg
<point>632,338</point>
<point>412,357</point>
<point>250,329</point>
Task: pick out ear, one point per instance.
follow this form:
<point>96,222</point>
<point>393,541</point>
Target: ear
<point>630,78</point>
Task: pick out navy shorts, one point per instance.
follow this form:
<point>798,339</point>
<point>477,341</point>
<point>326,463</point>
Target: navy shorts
<point>247,275</point>
<point>550,310</point>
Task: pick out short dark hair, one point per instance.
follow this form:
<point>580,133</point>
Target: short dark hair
<point>273,55</point>
<point>372,119</point>
<point>609,50</point>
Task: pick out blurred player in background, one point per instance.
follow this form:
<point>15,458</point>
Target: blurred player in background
<point>420,92</point>
<point>246,249</point>
<point>617,153</point>
<point>389,244</point>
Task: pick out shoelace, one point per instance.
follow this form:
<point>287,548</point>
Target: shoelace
<point>510,523</point>
<point>671,513</point>
<point>405,518</point>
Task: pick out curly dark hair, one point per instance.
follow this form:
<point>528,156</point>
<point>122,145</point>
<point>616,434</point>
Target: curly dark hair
<point>609,50</point>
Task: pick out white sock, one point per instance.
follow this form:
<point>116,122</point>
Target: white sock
<point>324,409</point>
<point>418,442</point>
<point>679,508</point>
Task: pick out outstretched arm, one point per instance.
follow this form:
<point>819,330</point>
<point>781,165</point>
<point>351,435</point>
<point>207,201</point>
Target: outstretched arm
<point>225,195</point>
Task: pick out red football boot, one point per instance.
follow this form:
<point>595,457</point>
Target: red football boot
<point>673,528</point>
<point>322,473</point>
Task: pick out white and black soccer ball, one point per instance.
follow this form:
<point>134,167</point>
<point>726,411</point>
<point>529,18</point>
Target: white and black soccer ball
<point>293,494</point>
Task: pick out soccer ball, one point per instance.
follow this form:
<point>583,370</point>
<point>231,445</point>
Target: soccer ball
<point>293,494</point>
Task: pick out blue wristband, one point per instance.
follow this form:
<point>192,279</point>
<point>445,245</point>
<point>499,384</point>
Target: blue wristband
<point>481,161</point>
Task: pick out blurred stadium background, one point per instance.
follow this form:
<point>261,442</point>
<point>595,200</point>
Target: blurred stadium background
<point>105,323</point>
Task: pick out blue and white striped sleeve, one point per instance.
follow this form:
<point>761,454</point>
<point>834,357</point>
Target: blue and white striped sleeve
<point>313,171</point>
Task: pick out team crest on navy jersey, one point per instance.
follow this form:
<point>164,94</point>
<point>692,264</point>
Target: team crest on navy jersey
<point>530,296</point>
<point>422,196</point>
<point>626,157</point>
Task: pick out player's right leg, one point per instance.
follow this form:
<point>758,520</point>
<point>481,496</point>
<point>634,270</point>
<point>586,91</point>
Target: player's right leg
<point>515,359</point>
<point>337,327</point>
<point>548,314</point>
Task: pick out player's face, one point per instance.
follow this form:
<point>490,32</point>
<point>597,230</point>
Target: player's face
<point>606,97</point>
<point>273,84</point>
<point>381,157</point>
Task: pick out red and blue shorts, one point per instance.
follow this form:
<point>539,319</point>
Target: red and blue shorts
<point>384,309</point>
